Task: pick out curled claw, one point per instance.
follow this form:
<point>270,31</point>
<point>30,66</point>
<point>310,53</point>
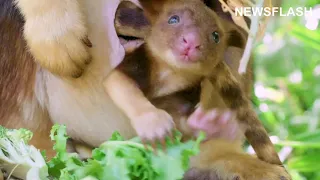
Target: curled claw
<point>154,143</point>
<point>154,147</point>
<point>170,135</point>
<point>147,145</point>
<point>87,42</point>
<point>161,141</point>
<point>150,142</point>
<point>163,145</point>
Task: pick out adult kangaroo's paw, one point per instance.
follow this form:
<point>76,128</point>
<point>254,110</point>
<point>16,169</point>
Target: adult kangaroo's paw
<point>56,35</point>
<point>227,162</point>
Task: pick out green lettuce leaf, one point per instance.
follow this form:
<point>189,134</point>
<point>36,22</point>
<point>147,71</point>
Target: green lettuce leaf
<point>120,159</point>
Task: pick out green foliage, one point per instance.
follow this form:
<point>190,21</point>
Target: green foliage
<point>287,90</point>
<point>16,135</point>
<point>115,159</point>
<point>122,159</point>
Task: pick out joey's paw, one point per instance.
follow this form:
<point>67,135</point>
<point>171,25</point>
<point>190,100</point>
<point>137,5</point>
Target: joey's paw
<point>216,123</point>
<point>58,42</point>
<point>153,125</point>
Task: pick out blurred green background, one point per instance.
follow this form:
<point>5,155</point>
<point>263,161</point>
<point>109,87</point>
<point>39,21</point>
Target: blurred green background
<point>287,88</point>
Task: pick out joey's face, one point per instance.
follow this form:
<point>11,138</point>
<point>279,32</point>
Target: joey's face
<point>188,36</point>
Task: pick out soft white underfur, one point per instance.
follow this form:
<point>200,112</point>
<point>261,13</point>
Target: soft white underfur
<point>82,104</point>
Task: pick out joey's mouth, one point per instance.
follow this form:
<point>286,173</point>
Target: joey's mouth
<point>187,58</point>
<point>130,43</point>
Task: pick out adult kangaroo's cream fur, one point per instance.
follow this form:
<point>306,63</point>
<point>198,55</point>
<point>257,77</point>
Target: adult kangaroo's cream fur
<point>39,98</point>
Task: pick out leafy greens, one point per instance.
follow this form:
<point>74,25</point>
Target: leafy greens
<point>120,159</point>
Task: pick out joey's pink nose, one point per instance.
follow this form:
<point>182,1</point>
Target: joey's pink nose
<point>189,45</point>
<point>191,40</point>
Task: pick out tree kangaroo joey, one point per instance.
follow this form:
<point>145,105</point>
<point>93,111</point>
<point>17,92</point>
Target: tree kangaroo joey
<point>191,54</point>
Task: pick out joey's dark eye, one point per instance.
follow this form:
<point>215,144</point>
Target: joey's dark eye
<point>174,19</point>
<point>216,37</point>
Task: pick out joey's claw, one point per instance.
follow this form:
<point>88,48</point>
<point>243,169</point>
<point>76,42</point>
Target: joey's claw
<point>171,137</point>
<point>145,144</point>
<point>154,147</point>
<point>154,144</point>
<point>163,144</point>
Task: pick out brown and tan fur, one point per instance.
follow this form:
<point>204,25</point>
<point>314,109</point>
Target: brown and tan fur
<point>32,97</point>
<point>18,80</point>
<point>57,44</point>
<point>148,62</point>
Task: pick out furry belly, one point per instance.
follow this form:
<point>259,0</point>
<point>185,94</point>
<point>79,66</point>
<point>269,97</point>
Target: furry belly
<point>82,104</point>
<point>85,108</point>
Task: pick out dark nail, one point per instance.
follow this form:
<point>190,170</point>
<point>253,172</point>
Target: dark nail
<point>87,42</point>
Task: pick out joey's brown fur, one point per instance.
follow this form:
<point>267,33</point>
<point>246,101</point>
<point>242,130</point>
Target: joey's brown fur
<point>146,65</point>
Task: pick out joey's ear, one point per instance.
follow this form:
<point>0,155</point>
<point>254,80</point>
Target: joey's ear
<point>232,57</point>
<point>236,42</point>
<point>215,5</point>
<point>152,8</point>
<point>131,21</point>
<point>236,36</point>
